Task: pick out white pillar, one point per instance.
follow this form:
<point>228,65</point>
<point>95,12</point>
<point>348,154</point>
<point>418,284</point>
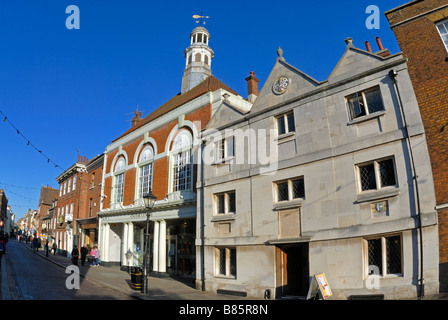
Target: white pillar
<point>124,244</point>
<point>155,262</point>
<point>131,243</point>
<point>106,238</point>
<point>162,246</point>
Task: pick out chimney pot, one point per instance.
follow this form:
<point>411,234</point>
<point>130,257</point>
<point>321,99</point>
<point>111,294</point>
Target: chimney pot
<point>380,45</point>
<point>369,48</point>
<point>137,118</point>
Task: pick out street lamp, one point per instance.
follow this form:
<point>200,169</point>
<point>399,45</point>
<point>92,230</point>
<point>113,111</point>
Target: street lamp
<point>150,201</point>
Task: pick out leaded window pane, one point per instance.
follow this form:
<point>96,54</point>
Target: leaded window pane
<point>393,254</point>
<point>374,254</point>
<point>222,261</point>
<point>221,203</point>
<point>281,125</point>
<point>282,191</point>
<point>387,172</point>
<point>291,122</point>
<point>232,206</point>
<point>232,262</point>
<point>374,101</point>
<point>356,106</point>
<point>298,189</point>
<point>230,147</point>
<point>367,175</point>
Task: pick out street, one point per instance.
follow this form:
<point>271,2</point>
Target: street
<point>27,276</point>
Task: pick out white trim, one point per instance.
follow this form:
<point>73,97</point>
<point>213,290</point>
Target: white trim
<point>188,107</point>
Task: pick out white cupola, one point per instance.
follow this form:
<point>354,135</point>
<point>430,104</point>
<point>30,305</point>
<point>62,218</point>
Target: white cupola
<point>198,59</point>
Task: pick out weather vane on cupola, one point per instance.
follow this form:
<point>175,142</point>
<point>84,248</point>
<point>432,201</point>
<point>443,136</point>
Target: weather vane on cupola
<point>201,18</point>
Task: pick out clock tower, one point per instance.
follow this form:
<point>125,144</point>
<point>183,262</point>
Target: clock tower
<point>198,58</point>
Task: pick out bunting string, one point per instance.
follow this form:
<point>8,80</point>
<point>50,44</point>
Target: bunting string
<point>29,142</point>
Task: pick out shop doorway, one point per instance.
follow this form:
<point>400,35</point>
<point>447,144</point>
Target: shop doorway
<point>293,266</point>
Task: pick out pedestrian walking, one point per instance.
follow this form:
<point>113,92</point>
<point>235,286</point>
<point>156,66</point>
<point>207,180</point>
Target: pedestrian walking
<point>97,256</point>
<point>93,256</point>
<point>75,255</point>
<point>47,243</point>
<point>2,249</point>
<point>84,253</point>
<point>55,247</point>
<point>35,244</point>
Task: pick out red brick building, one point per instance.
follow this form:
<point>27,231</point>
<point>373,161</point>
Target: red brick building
<point>72,186</point>
<point>47,196</point>
<point>160,152</point>
<point>87,215</point>
<point>421,29</point>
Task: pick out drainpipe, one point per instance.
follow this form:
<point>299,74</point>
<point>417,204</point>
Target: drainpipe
<point>393,74</point>
<point>201,218</point>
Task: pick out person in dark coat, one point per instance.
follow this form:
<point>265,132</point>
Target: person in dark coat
<point>84,253</point>
<point>36,244</point>
<point>75,255</point>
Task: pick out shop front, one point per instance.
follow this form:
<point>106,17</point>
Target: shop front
<point>88,232</point>
<point>171,244</point>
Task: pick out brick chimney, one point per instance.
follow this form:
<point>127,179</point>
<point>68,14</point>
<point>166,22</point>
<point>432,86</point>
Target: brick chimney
<point>137,118</point>
<point>252,87</point>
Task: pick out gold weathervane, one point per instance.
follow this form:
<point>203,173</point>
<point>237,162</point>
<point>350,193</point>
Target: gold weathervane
<point>201,18</point>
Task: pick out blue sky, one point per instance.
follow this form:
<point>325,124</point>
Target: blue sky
<point>76,90</point>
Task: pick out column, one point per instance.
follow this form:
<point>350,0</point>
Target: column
<point>162,246</point>
<point>124,245</point>
<point>155,262</point>
<point>131,243</point>
<point>106,231</point>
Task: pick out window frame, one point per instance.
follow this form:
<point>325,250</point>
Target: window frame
<point>180,147</point>
<point>377,175</point>
<point>230,271</point>
<point>445,25</point>
<point>384,256</point>
<point>367,114</point>
<point>290,187</point>
<point>186,168</point>
<point>144,162</point>
<point>119,173</point>
<point>226,199</point>
<point>285,118</point>
<point>224,149</point>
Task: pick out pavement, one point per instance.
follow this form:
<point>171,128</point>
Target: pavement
<point>120,281</point>
<point>159,288</point>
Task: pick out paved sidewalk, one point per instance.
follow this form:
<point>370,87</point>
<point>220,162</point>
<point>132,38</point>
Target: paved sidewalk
<point>120,281</point>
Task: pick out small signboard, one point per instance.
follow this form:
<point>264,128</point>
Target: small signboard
<point>319,287</point>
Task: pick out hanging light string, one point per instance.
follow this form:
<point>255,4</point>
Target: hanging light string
<point>29,142</point>
<point>16,186</point>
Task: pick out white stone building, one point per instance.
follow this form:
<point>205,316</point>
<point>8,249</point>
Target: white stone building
<point>329,187</point>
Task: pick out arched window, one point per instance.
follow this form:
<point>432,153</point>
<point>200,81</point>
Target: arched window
<point>197,57</point>
<point>189,59</point>
<point>182,164</point>
<point>119,180</point>
<point>206,60</point>
<point>145,166</point>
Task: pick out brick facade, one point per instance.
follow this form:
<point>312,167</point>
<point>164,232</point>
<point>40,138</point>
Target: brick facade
<point>161,166</point>
<point>414,25</point>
